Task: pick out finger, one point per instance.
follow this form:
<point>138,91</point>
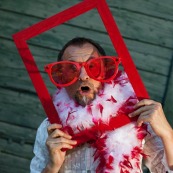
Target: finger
<point>142,121</point>
<point>59,133</point>
<point>144,102</point>
<point>144,118</point>
<point>133,100</point>
<point>140,110</point>
<point>51,141</point>
<point>59,146</point>
<point>52,127</point>
<point>146,114</point>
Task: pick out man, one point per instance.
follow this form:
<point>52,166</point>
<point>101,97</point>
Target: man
<point>50,140</point>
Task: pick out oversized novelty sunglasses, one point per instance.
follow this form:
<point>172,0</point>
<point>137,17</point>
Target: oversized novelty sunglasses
<point>65,73</point>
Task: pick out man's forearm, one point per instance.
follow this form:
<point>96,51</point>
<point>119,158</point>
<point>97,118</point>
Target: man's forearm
<point>168,144</point>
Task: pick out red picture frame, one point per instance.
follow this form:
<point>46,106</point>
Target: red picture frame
<point>23,36</point>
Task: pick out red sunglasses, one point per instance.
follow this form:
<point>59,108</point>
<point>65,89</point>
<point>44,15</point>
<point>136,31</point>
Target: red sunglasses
<point>65,73</point>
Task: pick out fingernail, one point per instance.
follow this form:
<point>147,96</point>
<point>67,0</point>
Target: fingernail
<point>59,126</point>
<point>75,142</point>
<point>69,136</point>
<point>130,115</point>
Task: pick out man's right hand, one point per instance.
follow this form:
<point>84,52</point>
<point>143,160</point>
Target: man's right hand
<point>57,139</point>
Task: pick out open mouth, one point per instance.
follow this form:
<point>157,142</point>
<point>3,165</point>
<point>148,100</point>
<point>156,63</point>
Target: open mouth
<point>85,89</point>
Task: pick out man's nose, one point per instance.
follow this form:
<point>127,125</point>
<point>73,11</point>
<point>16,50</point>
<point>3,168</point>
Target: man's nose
<point>83,74</point>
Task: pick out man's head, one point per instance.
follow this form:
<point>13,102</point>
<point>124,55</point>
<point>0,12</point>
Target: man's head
<point>85,88</point>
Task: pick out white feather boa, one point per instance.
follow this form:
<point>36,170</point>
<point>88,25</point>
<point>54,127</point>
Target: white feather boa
<point>118,150</point>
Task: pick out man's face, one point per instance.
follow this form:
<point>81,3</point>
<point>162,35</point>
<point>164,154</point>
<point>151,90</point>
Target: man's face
<point>85,89</point>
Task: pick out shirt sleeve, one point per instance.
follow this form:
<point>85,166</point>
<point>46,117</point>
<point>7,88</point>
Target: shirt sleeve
<point>153,148</point>
<point>41,156</point>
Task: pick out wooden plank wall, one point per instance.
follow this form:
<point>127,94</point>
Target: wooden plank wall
<point>146,26</point>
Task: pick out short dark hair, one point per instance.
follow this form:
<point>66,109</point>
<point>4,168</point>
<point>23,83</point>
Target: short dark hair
<point>80,41</point>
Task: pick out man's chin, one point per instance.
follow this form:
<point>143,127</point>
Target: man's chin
<point>84,100</point>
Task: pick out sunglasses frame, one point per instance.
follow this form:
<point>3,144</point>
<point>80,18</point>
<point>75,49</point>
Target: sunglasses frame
<point>79,65</point>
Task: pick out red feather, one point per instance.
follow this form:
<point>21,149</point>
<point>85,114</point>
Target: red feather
<point>112,99</point>
<point>89,109</point>
<point>100,108</point>
<point>110,161</point>
<point>101,93</point>
<point>68,117</point>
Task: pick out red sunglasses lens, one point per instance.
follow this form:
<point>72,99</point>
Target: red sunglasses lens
<point>64,73</point>
<point>102,68</point>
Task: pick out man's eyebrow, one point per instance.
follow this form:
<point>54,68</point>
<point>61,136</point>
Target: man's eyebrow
<point>91,57</point>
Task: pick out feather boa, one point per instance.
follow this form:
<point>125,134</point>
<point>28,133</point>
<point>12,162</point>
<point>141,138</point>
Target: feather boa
<point>118,144</point>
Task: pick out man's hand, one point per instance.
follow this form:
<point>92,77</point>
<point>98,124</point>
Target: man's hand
<point>151,112</point>
<point>57,140</point>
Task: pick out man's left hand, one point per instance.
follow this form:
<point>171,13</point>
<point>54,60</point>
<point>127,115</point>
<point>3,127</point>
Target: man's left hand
<point>151,112</point>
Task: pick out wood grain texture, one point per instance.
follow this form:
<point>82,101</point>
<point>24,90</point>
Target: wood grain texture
<point>11,163</point>
<point>149,29</point>
<point>23,150</point>
<point>159,9</point>
<point>169,96</point>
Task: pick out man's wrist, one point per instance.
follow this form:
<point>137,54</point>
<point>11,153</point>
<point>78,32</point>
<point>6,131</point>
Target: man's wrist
<point>168,135</point>
<point>51,168</point>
